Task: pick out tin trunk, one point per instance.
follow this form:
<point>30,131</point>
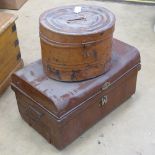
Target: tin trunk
<point>62,111</point>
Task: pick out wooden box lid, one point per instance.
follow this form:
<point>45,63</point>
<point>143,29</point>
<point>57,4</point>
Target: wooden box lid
<point>6,19</point>
<point>11,4</point>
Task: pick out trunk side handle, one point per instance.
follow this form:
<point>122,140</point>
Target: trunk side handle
<point>33,113</point>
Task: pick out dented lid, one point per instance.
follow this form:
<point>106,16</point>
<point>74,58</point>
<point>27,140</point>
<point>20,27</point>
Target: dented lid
<point>60,98</point>
<point>74,21</point>
<point>6,19</point>
<point>78,19</point>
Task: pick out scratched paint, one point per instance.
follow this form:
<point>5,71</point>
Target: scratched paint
<point>89,21</point>
<point>62,94</point>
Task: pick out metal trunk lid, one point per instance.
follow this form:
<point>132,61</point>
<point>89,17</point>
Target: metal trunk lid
<point>60,98</point>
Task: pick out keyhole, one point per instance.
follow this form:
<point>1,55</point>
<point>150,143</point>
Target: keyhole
<point>103,101</point>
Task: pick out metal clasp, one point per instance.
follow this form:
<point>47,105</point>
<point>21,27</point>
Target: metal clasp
<point>104,101</point>
<point>106,86</point>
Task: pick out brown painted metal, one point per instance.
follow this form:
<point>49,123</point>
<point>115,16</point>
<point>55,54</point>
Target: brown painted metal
<point>76,46</point>
<point>61,111</point>
<point>10,57</point>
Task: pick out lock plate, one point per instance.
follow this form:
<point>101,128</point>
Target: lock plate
<point>104,101</point>
<point>106,86</point>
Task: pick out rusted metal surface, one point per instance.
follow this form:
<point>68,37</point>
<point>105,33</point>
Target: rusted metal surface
<point>90,20</point>
<point>76,42</point>
<point>62,111</point>
<point>63,96</point>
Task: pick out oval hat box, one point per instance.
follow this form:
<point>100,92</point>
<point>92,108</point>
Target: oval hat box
<point>76,42</point>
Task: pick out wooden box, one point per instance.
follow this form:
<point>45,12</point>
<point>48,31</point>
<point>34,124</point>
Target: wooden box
<point>11,4</point>
<point>10,57</point>
<point>62,111</point>
<point>76,46</point>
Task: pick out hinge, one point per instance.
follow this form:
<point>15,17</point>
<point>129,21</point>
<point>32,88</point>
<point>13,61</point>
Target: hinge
<point>14,28</point>
<point>16,43</point>
<point>106,86</point>
<point>18,56</point>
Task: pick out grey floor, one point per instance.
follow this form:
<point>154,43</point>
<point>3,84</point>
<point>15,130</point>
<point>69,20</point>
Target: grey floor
<point>129,130</point>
